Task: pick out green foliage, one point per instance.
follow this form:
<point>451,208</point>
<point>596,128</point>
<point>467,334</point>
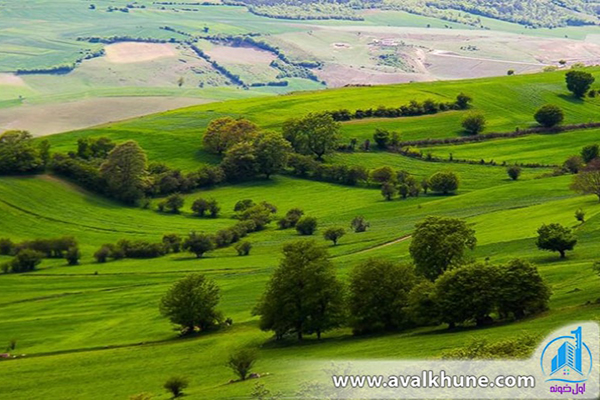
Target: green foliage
<point>334,234</point>
<point>359,224</point>
<point>316,134</point>
<point>240,162</point>
<point>306,226</point>
<point>382,138</point>
<point>18,154</point>
<point>474,123</point>
<point>303,295</point>
<point>388,190</point>
<point>579,82</point>
<point>124,171</point>
<point>224,133</point>
<point>383,175</point>
<point>422,308</point>
<point>590,152</point>
<point>73,255</point>
<point>172,242</point>
<point>549,115</point>
<point>271,151</point>
<point>175,385</point>
<point>573,164</point>
<point>173,203</point>
<point>481,349</point>
<point>588,180</point>
<point>191,303</point>
<point>25,261</point>
<point>521,291</point>
<point>378,295</point>
<point>291,218</point>
<point>241,362</point>
<point>555,237</point>
<point>439,243</point>
<point>198,243</point>
<point>467,293</point>
<point>243,248</point>
<point>514,172</point>
<point>444,182</point>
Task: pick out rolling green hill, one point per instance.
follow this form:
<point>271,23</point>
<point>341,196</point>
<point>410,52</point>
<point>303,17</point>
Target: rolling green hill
<point>93,331</point>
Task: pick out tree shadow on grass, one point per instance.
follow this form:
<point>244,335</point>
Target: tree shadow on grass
<point>571,98</point>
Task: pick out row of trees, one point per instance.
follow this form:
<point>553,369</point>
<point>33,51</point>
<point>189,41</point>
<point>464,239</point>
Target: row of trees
<point>414,108</point>
<point>29,254</point>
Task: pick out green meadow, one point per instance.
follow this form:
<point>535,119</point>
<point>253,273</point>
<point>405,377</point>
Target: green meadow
<point>93,331</point>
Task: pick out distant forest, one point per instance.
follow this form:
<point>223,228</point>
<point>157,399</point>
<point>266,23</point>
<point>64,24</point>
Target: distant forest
<point>533,13</point>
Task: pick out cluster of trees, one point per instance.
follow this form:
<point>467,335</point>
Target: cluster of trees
<point>304,295</point>
<point>405,185</point>
<point>247,152</point>
<point>587,169</point>
<point>19,155</point>
<point>496,135</point>
<point>29,254</point>
<point>307,225</point>
<point>122,171</point>
<point>414,108</point>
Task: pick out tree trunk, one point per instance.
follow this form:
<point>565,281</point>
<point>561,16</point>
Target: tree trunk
<point>319,335</point>
<point>451,325</point>
<point>299,335</point>
<point>562,253</point>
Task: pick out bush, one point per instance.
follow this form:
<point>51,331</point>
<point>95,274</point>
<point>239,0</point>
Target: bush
<point>199,243</point>
<point>444,182</point>
<point>25,261</point>
<point>291,218</point>
<point>306,226</point>
<point>200,207</point>
<point>359,224</point>
<point>573,164</point>
<point>173,203</point>
<point>140,249</point>
<point>474,123</point>
<point>514,172</point>
<point>243,205</point>
<point>175,385</point>
<point>7,247</point>
<point>172,242</point>
<point>589,153</point>
<point>580,215</point>
<point>243,248</point>
<point>73,255</point>
<point>102,254</point>
<point>549,115</point>
<point>241,362</point>
<point>382,138</point>
<point>334,234</point>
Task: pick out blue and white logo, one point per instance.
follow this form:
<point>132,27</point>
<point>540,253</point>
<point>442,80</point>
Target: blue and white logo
<point>567,359</point>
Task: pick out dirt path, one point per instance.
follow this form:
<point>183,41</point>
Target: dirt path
<point>380,246</point>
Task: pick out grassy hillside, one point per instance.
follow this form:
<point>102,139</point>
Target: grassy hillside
<point>507,103</point>
<point>93,331</point>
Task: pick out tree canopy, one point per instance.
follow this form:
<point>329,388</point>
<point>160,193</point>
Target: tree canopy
<point>191,303</point>
<point>303,295</point>
<point>438,243</point>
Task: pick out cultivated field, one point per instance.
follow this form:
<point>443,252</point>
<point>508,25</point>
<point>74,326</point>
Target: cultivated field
<point>148,46</point>
<point>93,331</point>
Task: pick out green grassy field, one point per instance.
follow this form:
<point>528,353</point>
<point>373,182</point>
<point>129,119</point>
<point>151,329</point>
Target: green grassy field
<point>93,331</point>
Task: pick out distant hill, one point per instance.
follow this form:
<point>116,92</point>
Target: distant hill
<point>533,13</point>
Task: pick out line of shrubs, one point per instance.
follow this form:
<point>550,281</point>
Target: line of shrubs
<point>414,108</point>
<point>495,135</point>
<point>29,254</point>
